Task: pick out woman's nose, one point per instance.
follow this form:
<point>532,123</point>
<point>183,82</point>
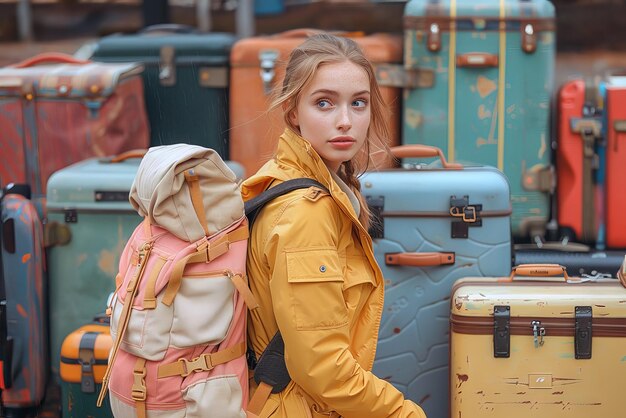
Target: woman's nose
<point>343,119</point>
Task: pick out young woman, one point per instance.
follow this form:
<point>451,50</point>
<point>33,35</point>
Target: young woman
<point>311,264</point>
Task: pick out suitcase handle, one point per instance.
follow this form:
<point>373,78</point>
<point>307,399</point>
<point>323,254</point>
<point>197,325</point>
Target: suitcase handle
<point>419,259</point>
<point>49,58</point>
<point>423,151</point>
<point>537,270</point>
<point>168,28</point>
<point>133,153</point>
<point>477,60</point>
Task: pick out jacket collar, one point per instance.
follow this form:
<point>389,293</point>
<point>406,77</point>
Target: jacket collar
<point>295,158</point>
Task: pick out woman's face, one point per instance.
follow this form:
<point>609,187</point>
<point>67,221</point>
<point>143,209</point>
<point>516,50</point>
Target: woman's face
<point>333,112</point>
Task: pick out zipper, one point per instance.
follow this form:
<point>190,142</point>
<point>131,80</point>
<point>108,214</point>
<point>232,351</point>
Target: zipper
<point>532,326</point>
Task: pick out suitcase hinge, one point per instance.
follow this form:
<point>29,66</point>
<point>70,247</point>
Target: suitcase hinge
<point>502,331</point>
<point>541,179</point>
<point>529,37</point>
<point>377,225</point>
<point>396,75</point>
<point>55,233</point>
<point>589,129</point>
<point>467,215</point>
<point>433,40</point>
<point>582,336</point>
<point>267,58</point>
<point>167,66</point>
<point>538,333</point>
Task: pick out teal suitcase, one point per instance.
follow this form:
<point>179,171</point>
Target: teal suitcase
<point>185,82</point>
<point>89,221</point>
<point>482,79</point>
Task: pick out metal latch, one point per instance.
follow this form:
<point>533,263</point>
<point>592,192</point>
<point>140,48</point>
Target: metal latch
<point>538,333</point>
<point>167,66</point>
<point>540,179</point>
<point>465,215</point>
<point>267,58</point>
<point>502,331</point>
<point>583,334</point>
<point>529,37</point>
<point>86,359</point>
<point>434,37</point>
<point>589,129</point>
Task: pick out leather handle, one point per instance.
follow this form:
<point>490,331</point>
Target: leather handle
<point>134,153</point>
<point>477,60</point>
<point>537,270</point>
<point>423,151</point>
<point>419,259</point>
<point>49,58</point>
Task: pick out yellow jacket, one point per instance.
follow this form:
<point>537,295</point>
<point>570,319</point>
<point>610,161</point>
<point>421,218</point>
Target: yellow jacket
<point>312,269</point>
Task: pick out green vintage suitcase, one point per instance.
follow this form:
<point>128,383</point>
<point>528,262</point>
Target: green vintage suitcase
<point>185,82</point>
<point>482,79</point>
<point>89,221</point>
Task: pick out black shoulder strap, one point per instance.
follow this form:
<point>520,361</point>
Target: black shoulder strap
<point>271,368</point>
<point>254,205</point>
<point>6,342</point>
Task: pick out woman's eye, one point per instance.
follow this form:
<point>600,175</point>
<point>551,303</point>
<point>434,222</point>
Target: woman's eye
<point>323,104</point>
<point>359,103</point>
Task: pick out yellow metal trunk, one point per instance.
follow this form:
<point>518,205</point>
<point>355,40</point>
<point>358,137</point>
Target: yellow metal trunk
<point>554,348</point>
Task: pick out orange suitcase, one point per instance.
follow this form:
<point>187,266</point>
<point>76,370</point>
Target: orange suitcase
<point>257,67</point>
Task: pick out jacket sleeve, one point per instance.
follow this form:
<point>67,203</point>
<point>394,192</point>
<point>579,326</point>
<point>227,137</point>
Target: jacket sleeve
<point>306,282</point>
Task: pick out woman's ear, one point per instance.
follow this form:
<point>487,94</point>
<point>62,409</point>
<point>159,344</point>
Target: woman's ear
<point>293,118</point>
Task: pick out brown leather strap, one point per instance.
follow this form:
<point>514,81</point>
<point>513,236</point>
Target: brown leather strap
<point>259,399</point>
<point>196,198</point>
<point>537,270</point>
<point>203,363</point>
<point>204,254</point>
<point>131,292</point>
<point>244,290</point>
<point>139,390</point>
<point>419,259</point>
<point>149,298</point>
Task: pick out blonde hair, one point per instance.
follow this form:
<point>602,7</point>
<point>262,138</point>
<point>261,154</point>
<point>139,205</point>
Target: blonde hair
<point>303,63</point>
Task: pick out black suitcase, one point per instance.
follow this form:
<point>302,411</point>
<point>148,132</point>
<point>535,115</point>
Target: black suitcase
<point>590,263</point>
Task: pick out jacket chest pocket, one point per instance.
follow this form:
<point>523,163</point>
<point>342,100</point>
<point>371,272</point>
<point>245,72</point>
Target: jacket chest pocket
<point>315,287</point>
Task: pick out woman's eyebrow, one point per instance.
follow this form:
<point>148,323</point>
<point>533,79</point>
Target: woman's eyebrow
<point>324,91</point>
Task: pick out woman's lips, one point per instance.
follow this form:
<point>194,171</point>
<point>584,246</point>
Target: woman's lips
<point>342,142</point>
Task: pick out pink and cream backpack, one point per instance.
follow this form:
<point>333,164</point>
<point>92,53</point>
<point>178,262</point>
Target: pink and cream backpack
<point>178,316</point>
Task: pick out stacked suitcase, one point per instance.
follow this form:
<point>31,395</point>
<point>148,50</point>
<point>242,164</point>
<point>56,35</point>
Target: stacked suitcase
<point>89,221</point>
<point>56,110</point>
<point>538,346</point>
<point>23,336</point>
<point>185,82</point>
<point>434,224</point>
<point>483,92</point>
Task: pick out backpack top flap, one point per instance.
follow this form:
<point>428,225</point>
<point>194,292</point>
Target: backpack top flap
<point>161,192</point>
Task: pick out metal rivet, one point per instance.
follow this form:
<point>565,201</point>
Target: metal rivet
<point>323,268</point>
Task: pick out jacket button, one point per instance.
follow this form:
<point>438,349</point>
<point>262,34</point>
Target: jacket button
<point>323,268</point>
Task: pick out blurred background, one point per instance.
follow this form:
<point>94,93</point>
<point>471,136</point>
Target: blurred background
<point>591,34</point>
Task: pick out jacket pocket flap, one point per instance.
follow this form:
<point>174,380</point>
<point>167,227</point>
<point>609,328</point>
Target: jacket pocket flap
<point>313,265</point>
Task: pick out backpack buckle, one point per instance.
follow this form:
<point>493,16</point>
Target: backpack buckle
<point>138,391</point>
<point>202,363</point>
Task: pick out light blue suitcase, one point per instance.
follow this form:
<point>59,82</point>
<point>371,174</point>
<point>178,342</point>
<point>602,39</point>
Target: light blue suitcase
<point>436,225</point>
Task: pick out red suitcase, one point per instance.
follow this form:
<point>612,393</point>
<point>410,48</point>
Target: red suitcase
<point>56,110</point>
<point>615,162</point>
<point>580,128</point>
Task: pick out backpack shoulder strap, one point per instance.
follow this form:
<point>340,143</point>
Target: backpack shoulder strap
<point>270,373</point>
<point>254,205</point>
